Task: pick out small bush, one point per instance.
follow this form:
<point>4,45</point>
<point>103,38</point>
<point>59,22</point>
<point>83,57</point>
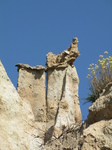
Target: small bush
<point>99,76</point>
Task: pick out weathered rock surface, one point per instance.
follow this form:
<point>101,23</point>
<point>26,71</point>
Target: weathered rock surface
<point>101,109</point>
<point>63,107</point>
<point>66,57</point>
<point>31,86</point>
<point>62,101</point>
<point>98,136</point>
<point>17,128</point>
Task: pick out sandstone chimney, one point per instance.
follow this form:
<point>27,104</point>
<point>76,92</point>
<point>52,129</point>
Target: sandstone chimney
<point>31,86</point>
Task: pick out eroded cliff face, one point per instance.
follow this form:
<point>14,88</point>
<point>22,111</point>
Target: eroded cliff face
<point>61,107</point>
<point>17,126</point>
<point>33,120</point>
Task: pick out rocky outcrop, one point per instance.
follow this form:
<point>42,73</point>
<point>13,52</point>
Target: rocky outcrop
<point>62,105</point>
<point>98,133</point>
<point>31,86</point>
<point>98,136</point>
<point>66,57</point>
<point>94,134</point>
<point>63,109</point>
<point>31,120</point>
<point>101,109</point>
<point>17,127</point>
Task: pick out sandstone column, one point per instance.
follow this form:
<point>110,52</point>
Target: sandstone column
<point>55,87</point>
<point>31,86</point>
<point>62,101</point>
<point>63,107</point>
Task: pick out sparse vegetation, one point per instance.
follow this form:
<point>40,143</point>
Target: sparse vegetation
<point>99,76</point>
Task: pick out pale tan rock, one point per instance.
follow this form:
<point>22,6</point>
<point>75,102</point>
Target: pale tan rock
<point>63,107</point>
<point>66,57</point>
<point>98,136</point>
<point>101,109</point>
<point>30,122</point>
<point>55,81</point>
<point>51,59</point>
<point>17,128</point>
<point>31,86</point>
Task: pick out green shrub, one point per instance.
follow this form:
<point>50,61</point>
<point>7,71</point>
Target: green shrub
<point>99,76</point>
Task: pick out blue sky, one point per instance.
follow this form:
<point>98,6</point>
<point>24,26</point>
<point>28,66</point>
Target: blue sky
<point>29,29</point>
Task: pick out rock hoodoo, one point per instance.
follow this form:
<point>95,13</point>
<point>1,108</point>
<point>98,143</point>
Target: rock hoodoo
<point>32,119</point>
<point>31,86</point>
<point>63,107</point>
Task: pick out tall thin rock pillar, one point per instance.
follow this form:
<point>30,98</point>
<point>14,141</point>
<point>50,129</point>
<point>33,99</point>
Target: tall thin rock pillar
<point>31,86</point>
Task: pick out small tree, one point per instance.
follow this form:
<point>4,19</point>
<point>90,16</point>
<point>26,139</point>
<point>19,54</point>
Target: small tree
<point>99,76</point>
